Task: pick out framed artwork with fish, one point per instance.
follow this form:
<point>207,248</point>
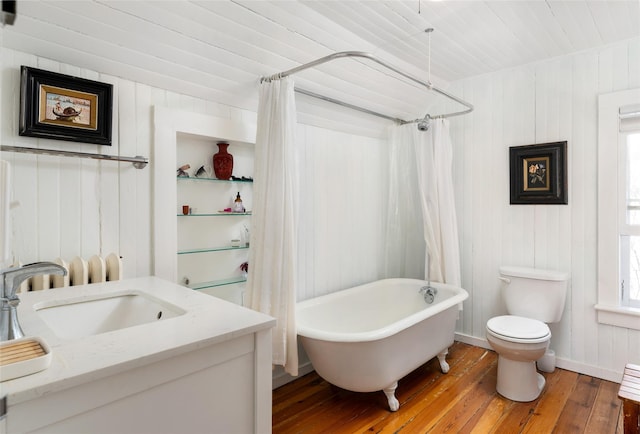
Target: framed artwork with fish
<point>538,174</point>
<point>63,107</point>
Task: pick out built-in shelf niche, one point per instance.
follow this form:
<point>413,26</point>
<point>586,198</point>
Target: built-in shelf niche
<point>170,127</point>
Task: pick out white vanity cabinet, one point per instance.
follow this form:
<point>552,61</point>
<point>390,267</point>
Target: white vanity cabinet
<point>206,371</point>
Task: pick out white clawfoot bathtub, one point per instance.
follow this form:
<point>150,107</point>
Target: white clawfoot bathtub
<point>368,337</point>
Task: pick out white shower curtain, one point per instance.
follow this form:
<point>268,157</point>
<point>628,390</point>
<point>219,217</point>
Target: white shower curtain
<point>427,157</point>
<point>271,284</point>
<point>404,247</point>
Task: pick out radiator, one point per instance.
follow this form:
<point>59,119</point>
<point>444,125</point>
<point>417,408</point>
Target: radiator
<point>79,272</point>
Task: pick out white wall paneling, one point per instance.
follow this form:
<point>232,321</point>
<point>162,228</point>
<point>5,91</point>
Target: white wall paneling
<point>71,207</point>
<point>343,191</point>
<point>548,101</point>
<point>342,195</point>
<point>78,207</point>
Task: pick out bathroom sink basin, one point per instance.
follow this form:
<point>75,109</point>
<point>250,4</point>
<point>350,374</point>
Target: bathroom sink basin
<point>82,316</point>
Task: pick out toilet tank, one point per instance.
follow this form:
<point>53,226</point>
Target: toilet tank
<point>535,293</point>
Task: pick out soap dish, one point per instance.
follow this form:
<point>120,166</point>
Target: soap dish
<point>24,356</point>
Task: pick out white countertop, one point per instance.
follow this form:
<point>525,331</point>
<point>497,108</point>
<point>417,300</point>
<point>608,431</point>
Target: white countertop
<point>207,321</point>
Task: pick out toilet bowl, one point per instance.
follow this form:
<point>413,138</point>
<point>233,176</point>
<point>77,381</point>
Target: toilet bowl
<point>519,342</point>
<point>533,297</point>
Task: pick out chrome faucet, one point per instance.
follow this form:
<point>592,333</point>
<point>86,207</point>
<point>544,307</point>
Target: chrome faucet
<point>429,293</point>
<point>10,280</point>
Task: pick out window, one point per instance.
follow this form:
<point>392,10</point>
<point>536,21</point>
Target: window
<point>619,209</point>
<point>629,198</point>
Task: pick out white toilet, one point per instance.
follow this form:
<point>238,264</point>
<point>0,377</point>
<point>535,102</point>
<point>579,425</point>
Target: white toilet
<point>533,298</point>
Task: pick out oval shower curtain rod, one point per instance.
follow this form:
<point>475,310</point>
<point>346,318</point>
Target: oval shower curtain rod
<point>369,56</point>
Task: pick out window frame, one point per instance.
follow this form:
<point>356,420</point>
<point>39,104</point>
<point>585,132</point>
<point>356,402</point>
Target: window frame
<point>609,308</point>
<point>626,229</point>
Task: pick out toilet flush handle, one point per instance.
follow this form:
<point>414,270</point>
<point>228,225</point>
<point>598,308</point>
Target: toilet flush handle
<point>505,280</point>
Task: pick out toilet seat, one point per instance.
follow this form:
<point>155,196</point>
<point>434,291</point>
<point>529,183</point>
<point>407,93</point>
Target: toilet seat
<point>518,329</point>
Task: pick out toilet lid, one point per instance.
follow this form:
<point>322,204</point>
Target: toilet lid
<point>518,329</point>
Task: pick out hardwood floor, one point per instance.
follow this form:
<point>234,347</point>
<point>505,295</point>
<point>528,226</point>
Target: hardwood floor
<point>462,401</point>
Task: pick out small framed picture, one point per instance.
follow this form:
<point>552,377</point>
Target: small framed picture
<point>63,107</point>
<point>538,174</point>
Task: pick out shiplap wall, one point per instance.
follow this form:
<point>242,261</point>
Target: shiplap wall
<point>81,207</point>
<point>545,102</point>
<point>343,195</point>
<point>71,207</point>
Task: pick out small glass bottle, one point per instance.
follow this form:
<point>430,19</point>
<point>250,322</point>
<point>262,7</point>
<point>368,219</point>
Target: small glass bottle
<point>237,204</point>
<point>245,236</point>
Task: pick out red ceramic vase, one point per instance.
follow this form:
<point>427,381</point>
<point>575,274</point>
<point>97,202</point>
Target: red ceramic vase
<point>223,162</point>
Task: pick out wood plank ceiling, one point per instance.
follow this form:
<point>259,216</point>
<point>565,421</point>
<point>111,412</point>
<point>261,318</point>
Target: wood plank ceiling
<point>217,50</point>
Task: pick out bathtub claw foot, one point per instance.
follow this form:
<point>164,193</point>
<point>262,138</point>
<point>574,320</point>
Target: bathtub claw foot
<point>444,366</point>
<point>390,392</point>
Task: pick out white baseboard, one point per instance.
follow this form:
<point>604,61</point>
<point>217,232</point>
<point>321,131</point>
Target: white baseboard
<point>594,371</point>
<point>570,365</point>
<point>472,340</point>
<point>280,378</point>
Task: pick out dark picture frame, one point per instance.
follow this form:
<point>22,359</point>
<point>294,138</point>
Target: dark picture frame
<point>538,174</point>
<point>64,107</point>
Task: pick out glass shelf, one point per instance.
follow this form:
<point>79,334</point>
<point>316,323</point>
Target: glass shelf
<point>182,178</point>
<point>210,249</point>
<point>215,214</point>
<point>214,283</point>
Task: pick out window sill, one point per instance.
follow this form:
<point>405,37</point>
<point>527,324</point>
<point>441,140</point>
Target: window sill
<point>627,317</point>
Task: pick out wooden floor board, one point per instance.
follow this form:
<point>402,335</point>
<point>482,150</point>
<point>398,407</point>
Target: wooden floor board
<point>551,402</point>
<point>606,408</point>
<point>487,420</point>
<point>433,416</point>
<point>578,408</point>
<point>462,401</point>
<point>473,399</point>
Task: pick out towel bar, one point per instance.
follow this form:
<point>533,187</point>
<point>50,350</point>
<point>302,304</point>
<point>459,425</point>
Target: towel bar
<point>138,161</point>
